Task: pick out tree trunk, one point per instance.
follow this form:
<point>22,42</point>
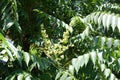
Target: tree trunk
<point>26,43</point>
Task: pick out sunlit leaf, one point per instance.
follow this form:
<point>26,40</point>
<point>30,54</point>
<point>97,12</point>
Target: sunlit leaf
<point>100,18</point>
<point>28,77</point>
<point>86,58</point>
<point>114,22</point>
<point>118,24</point>
<point>80,61</point>
<point>13,77</point>
<point>112,77</point>
<point>108,20</point>
<point>100,56</point>
<point>26,57</point>
<point>102,67</point>
<point>32,66</point>
<point>9,24</point>
<point>20,77</point>
<point>116,43</point>
<point>9,53</point>
<point>74,61</point>
<point>107,72</point>
<point>103,41</point>
<point>71,69</point>
<point>93,57</point>
<point>109,42</point>
<point>64,76</point>
<point>104,18</point>
<point>58,75</point>
<point>69,78</point>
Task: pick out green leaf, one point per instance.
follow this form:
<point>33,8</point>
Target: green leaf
<point>96,17</point>
<point>80,61</point>
<point>100,18</point>
<point>103,39</point>
<point>109,42</point>
<point>41,64</point>
<point>9,53</point>
<point>20,77</point>
<point>18,26</point>
<point>77,63</point>
<point>104,19</point>
<point>87,19</point>
<point>107,72</point>
<point>71,69</point>
<point>74,61</point>
<point>86,32</point>
<point>112,77</point>
<point>86,59</point>
<point>32,66</point>
<point>92,17</point>
<point>3,39</point>
<point>102,67</point>
<point>33,58</point>
<point>93,57</point>
<point>114,21</point>
<point>82,36</point>
<point>69,78</point>
<point>59,22</point>
<point>64,76</point>
<point>108,22</point>
<point>116,43</point>
<point>15,51</point>
<point>58,75</point>
<point>26,57</point>
<point>19,57</point>
<point>100,56</point>
<point>13,77</point>
<point>28,77</point>
<point>9,24</point>
<point>45,77</point>
<point>118,24</point>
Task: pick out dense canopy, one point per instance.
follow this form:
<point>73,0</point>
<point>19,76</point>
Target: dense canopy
<point>59,39</point>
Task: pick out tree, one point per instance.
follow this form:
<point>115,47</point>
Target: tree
<point>60,39</point>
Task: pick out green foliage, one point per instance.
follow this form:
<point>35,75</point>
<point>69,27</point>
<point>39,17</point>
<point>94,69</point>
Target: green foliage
<point>59,40</point>
<point>9,14</point>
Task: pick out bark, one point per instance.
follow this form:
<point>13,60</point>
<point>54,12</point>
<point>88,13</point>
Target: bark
<point>26,43</point>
